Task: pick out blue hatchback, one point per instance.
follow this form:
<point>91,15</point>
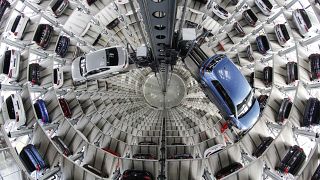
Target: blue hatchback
<point>230,91</point>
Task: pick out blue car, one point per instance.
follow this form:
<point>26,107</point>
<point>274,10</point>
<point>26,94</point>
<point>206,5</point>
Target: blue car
<point>41,111</point>
<point>230,91</point>
<point>263,44</point>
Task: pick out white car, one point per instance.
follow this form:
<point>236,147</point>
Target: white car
<point>13,109</point>
<point>220,12</point>
<point>282,34</point>
<point>18,25</point>
<point>265,6</point>
<point>302,21</point>
<point>58,6</point>
<point>122,1</point>
<point>212,150</point>
<point>57,77</point>
<point>9,64</point>
<point>99,64</point>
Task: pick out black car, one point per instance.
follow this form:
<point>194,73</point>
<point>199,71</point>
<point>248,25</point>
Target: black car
<point>4,4</point>
<point>147,143</point>
<point>202,1</point>
<point>131,174</point>
<point>181,156</point>
<point>265,143</point>
<point>234,2</point>
<point>228,170</point>
<point>250,17</point>
<point>251,79</point>
<point>90,2</point>
<point>237,26</point>
<point>113,24</point>
<point>292,160</point>
<point>284,110</point>
<point>249,53</point>
<point>292,72</point>
<point>311,113</point>
<point>263,44</point>
<point>62,46</point>
<point>43,35</point>
<point>316,174</point>
<point>34,73</point>
<point>262,99</point>
<point>61,145</point>
<point>95,170</point>
<point>314,60</point>
<point>143,156</point>
<point>267,75</point>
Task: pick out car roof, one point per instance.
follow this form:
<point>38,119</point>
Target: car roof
<point>232,80</point>
<point>96,60</point>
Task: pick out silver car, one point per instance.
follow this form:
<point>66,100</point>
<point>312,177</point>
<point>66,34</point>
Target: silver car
<point>99,64</point>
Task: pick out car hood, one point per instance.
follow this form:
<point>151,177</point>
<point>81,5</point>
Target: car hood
<point>232,80</point>
<point>250,118</point>
<point>75,70</point>
<point>96,60</point>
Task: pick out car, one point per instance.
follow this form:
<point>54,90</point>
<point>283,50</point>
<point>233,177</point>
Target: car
<point>190,24</point>
<point>249,53</point>
<point>61,145</point>
<point>132,174</point>
<point>282,34</point>
<point>17,26</point>
<point>214,149</point>
<point>267,75</point>
<point>202,1</point>
<point>143,156</point>
<point>263,44</point>
<point>41,111</point>
<point>316,174</point>
<point>10,63</point>
<point>57,77</point>
<point>113,24</point>
<point>181,156</point>
<point>302,21</point>
<point>235,101</point>
<point>251,79</point>
<point>233,167</point>
<point>292,161</point>
<point>111,152</point>
<point>32,159</point>
<point>265,143</point>
<point>311,114</point>
<point>99,64</point>
<point>65,107</point>
<point>284,110</point>
<point>43,35</point>
<point>95,170</point>
<point>58,6</point>
<point>292,72</point>
<point>263,99</point>
<point>265,6</point>
<point>147,143</point>
<point>13,109</point>
<point>90,2</point>
<point>250,17</point>
<point>237,26</point>
<point>178,144</point>
<point>234,2</point>
<point>62,46</point>
<point>4,4</point>
<point>314,60</point>
<point>34,73</point>
<point>220,12</point>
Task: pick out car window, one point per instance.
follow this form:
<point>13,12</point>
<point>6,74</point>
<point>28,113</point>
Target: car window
<point>265,42</point>
<point>56,5</point>
<point>6,62</point>
<point>222,10</point>
<point>245,105</point>
<point>252,15</point>
<point>284,31</point>
<point>267,3</point>
<point>15,23</point>
<point>82,65</point>
<point>55,76</point>
<point>10,107</point>
<point>112,57</point>
<point>224,95</point>
<point>305,17</point>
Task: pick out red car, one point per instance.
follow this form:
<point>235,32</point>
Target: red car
<point>111,152</point>
<point>65,107</point>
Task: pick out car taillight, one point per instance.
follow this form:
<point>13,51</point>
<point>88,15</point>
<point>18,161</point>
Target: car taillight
<point>146,178</point>
<point>286,170</point>
<point>38,167</point>
<point>10,73</point>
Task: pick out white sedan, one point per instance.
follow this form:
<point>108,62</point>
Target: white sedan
<point>13,109</point>
<point>9,64</point>
<point>99,64</point>
<point>212,150</point>
<point>220,12</point>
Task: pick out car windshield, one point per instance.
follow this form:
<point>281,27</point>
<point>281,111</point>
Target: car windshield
<point>112,57</point>
<point>55,76</point>
<point>265,42</point>
<point>224,95</point>
<point>245,105</point>
<point>252,15</point>
<point>305,18</point>
<point>82,65</point>
<point>15,23</point>
<point>10,108</point>
<point>6,62</point>
<point>267,3</point>
<point>222,10</point>
<point>284,32</point>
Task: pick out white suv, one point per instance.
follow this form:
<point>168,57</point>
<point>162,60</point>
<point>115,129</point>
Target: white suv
<point>13,109</point>
<point>214,149</point>
<point>18,25</point>
<point>9,64</point>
